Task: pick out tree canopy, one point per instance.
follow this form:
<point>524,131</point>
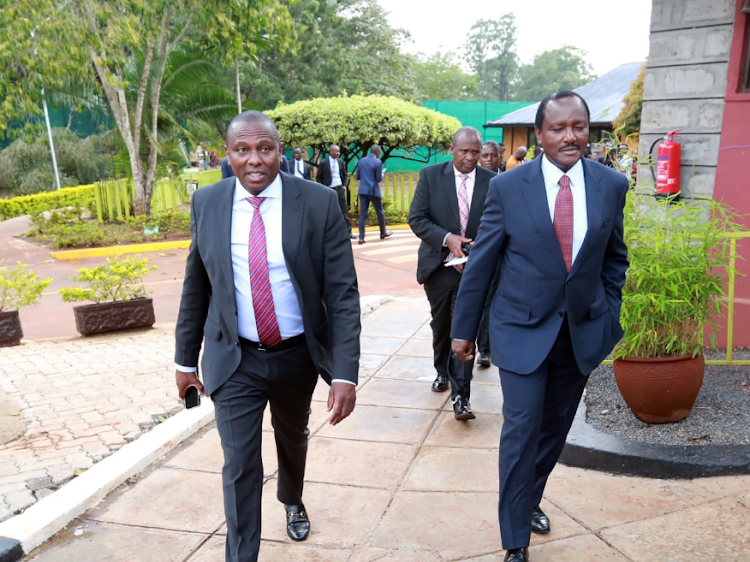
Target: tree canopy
<point>628,122</point>
<point>356,123</point>
<point>490,49</point>
<point>565,67</point>
<point>439,77</point>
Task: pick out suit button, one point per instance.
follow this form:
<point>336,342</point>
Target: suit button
<point>237,343</point>
<point>567,283</point>
<point>561,314</point>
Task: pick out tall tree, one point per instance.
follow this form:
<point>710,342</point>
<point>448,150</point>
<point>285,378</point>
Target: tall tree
<point>490,50</point>
<point>439,77</point>
<point>45,42</point>
<point>347,46</point>
<point>565,67</point>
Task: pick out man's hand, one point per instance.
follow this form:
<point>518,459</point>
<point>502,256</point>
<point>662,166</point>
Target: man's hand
<point>186,380</point>
<point>463,349</point>
<point>341,399</point>
<point>454,243</point>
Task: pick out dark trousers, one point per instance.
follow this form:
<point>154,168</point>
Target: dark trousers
<point>441,288</point>
<point>341,192</point>
<point>483,336</point>
<point>538,410</point>
<point>364,206</point>
<point>286,380</point>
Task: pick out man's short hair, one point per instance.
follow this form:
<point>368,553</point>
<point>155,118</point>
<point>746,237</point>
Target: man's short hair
<point>375,149</point>
<point>493,144</point>
<point>251,116</point>
<point>556,96</point>
<point>501,144</point>
<point>467,131</point>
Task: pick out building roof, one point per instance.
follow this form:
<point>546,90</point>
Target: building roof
<point>604,97</point>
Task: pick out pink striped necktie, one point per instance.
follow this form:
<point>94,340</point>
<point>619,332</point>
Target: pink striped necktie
<point>260,282</point>
<point>463,211</point>
<point>563,222</point>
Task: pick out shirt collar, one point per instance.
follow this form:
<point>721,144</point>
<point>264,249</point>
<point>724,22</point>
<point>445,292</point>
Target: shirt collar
<point>458,174</point>
<point>273,190</point>
<point>552,173</point>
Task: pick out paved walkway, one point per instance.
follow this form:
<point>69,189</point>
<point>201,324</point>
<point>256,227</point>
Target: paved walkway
<point>81,400</point>
<point>402,481</point>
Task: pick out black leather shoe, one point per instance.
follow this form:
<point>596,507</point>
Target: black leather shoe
<point>517,555</point>
<point>462,410</point>
<point>440,384</point>
<point>539,521</point>
<point>386,235</point>
<point>361,241</point>
<point>297,522</point>
<point>484,360</point>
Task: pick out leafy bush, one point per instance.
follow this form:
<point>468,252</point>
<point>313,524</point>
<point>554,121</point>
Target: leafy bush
<point>116,280</point>
<point>19,288</point>
<point>628,122</point>
<point>81,196</point>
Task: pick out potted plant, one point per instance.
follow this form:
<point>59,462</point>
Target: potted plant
<point>675,289</point>
<point>18,288</point>
<point>118,293</point>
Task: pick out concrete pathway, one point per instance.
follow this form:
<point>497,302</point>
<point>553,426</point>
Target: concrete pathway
<point>402,481</point>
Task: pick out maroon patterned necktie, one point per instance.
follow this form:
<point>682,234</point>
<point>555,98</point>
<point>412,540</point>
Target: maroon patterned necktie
<point>260,283</point>
<point>563,222</point>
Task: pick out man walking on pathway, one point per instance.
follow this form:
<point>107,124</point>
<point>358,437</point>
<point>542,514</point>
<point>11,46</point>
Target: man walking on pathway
<point>332,172</point>
<point>370,173</point>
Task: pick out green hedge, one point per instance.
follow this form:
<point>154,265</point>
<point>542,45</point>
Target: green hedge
<point>81,196</point>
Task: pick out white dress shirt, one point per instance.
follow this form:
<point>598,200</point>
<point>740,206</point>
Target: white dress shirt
<point>552,175</point>
<point>299,168</point>
<point>471,178</point>
<point>285,302</point>
<point>335,174</point>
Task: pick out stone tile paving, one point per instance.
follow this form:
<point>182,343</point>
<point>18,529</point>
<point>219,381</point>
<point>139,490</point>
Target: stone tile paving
<point>402,481</point>
<point>81,400</point>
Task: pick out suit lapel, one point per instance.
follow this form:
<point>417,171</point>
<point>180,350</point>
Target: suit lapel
<point>292,207</point>
<point>481,186</point>
<point>223,235</point>
<point>594,203</point>
<point>536,201</point>
<point>448,181</point>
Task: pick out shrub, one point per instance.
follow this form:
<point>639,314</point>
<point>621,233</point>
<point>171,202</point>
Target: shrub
<point>116,280</point>
<point>81,196</point>
<point>19,288</point>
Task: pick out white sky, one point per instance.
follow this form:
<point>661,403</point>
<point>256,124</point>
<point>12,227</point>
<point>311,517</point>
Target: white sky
<point>612,33</point>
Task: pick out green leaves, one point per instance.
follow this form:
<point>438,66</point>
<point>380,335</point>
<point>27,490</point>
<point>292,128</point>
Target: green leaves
<point>19,288</point>
<point>676,284</point>
<point>116,280</point>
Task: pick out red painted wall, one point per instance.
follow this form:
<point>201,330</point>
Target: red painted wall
<point>733,171</point>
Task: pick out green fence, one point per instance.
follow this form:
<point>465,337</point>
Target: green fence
<point>399,188</point>
<point>115,198</point>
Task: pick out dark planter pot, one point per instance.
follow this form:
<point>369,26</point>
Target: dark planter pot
<point>10,328</point>
<point>662,389</point>
<point>114,316</point>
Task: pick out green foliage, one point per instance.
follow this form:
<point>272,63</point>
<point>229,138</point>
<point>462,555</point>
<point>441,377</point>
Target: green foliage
<point>116,280</point>
<point>19,288</point>
<point>628,122</point>
<point>565,67</point>
<point>357,122</point>
<point>676,283</point>
<point>81,196</point>
<point>490,48</point>
<point>26,165</point>
<point>439,77</point>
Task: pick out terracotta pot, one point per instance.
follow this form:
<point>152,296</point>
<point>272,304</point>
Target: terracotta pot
<point>114,316</point>
<point>10,328</point>
<point>662,389</point>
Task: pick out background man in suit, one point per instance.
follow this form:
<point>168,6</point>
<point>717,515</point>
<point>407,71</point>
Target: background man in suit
<point>332,172</point>
<point>226,169</point>
<point>300,168</point>
<point>490,157</point>
<point>555,225</point>
<point>445,214</point>
<point>270,281</point>
<point>283,161</point>
<point>370,173</point>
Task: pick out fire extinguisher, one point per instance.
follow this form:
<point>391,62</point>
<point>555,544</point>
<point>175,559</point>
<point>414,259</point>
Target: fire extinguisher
<point>668,165</point>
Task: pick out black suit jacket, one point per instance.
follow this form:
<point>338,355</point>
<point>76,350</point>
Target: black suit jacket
<point>434,213</point>
<point>321,266</point>
<point>306,169</point>
<point>324,172</point>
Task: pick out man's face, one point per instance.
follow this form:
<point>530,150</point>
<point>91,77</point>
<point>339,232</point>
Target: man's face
<point>502,151</point>
<point>254,154</point>
<point>565,131</point>
<point>334,151</point>
<point>466,150</point>
<point>298,154</point>
<point>490,158</point>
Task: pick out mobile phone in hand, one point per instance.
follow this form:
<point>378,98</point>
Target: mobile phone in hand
<point>192,397</point>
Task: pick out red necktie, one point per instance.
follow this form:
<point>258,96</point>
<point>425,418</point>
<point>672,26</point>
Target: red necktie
<point>563,222</point>
<point>260,283</point>
<point>463,213</point>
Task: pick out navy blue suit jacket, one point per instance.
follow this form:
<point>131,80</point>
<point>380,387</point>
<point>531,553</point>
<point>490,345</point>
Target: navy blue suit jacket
<point>370,174</point>
<point>535,290</point>
<point>226,169</point>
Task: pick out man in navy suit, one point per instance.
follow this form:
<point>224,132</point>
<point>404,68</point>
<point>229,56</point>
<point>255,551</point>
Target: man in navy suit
<point>555,227</point>
<point>370,173</point>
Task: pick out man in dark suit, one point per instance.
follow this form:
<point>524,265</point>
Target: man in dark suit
<point>332,172</point>
<point>270,282</point>
<point>226,169</point>
<point>445,214</point>
<point>284,161</point>
<point>555,226</point>
<point>370,173</point>
<point>300,168</point>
